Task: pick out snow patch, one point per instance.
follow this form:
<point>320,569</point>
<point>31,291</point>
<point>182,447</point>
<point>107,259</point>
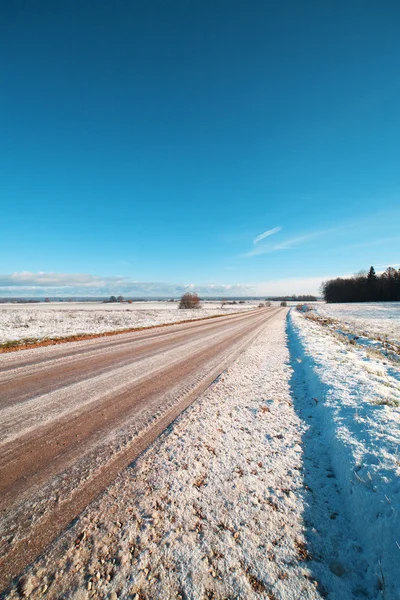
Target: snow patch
<point>351,400</point>
<point>63,320</point>
<point>375,319</point>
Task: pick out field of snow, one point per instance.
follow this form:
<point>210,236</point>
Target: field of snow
<point>351,398</point>
<point>62,319</point>
<point>375,319</point>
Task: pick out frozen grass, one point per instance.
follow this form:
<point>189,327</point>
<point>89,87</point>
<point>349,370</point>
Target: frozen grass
<point>368,329</point>
<point>378,320</point>
<point>62,320</point>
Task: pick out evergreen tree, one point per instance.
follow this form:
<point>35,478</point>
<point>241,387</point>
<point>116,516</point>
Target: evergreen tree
<point>372,280</point>
<point>362,287</point>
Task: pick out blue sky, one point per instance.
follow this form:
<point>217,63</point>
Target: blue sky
<point>152,143</point>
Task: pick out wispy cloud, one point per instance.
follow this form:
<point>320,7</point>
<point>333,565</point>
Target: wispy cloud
<point>26,283</point>
<point>294,241</point>
<point>312,235</point>
<point>266,234</point>
<point>374,242</point>
<point>28,279</point>
<point>289,286</point>
<point>285,245</point>
<point>257,251</point>
<point>389,264</point>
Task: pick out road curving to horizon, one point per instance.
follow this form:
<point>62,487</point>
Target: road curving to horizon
<point>72,416</point>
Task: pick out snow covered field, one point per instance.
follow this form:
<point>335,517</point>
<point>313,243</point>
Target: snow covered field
<point>376,319</point>
<point>351,399</point>
<point>62,319</point>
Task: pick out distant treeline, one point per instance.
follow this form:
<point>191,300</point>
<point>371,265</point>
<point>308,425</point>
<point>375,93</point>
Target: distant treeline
<point>364,287</point>
<point>19,300</point>
<point>294,298</point>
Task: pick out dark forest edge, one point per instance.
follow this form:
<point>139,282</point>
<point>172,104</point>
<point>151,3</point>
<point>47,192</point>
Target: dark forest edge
<point>364,287</point>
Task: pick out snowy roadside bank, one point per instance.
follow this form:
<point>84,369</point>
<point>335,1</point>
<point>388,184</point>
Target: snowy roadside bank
<point>376,320</point>
<point>351,399</point>
<point>31,323</point>
<point>212,510</point>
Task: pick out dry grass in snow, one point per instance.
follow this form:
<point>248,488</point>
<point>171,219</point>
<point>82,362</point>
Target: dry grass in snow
<point>378,320</point>
<point>29,322</point>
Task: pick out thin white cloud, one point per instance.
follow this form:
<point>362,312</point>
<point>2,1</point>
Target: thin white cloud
<point>375,242</point>
<point>290,286</point>
<point>386,265</point>
<point>295,285</point>
<point>257,251</point>
<point>42,284</point>
<point>63,284</point>
<point>266,234</point>
<point>295,241</point>
<point>302,239</point>
<point>26,278</point>
<point>285,245</point>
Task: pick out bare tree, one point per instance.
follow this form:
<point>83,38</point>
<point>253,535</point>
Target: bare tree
<point>189,300</point>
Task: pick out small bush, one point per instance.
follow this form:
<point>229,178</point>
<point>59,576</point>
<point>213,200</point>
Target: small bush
<point>304,308</point>
<point>189,300</point>
<point>283,303</point>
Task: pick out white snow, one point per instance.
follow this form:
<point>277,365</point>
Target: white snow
<point>62,319</point>
<point>351,398</point>
<point>375,319</point>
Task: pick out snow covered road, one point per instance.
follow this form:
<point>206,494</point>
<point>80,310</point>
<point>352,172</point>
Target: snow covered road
<point>72,416</point>
<point>212,510</point>
<point>280,482</point>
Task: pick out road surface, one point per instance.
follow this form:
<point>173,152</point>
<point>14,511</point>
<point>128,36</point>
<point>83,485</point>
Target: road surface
<point>72,416</point>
